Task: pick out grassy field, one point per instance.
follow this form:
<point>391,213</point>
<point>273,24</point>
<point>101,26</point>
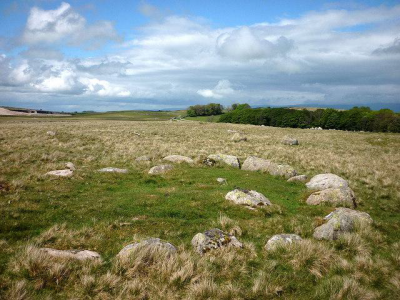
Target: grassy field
<point>105,212</point>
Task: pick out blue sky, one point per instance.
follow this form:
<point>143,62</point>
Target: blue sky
<point>110,55</point>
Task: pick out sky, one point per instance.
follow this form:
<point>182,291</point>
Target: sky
<point>107,55</point>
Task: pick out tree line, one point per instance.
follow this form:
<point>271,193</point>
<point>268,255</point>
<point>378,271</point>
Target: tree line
<point>355,119</point>
<point>210,109</point>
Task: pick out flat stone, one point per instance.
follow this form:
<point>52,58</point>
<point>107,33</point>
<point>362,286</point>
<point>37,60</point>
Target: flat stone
<point>61,173</point>
<point>282,240</point>
<point>161,169</point>
<point>214,239</point>
<point>151,244</point>
<point>51,133</point>
<point>75,254</point>
<point>290,141</point>
<point>231,160</point>
<point>253,163</point>
<point>179,159</point>
<point>222,180</point>
<point>143,158</point>
<point>362,218</point>
<point>113,170</point>
<point>238,137</point>
<point>249,198</point>
<point>343,196</point>
<point>325,181</point>
<point>301,178</point>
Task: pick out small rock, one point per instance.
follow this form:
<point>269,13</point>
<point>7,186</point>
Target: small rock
<point>143,158</point>
<point>232,131</point>
<point>336,226</point>
<point>161,169</point>
<point>70,166</point>
<point>113,170</point>
<point>76,254</point>
<point>325,181</point>
<point>51,133</point>
<point>250,198</point>
<point>282,239</point>
<point>290,141</point>
<point>214,239</point>
<point>231,160</point>
<point>61,173</point>
<point>301,178</point>
<point>178,159</point>
<point>152,244</point>
<point>238,137</point>
<point>343,196</point>
<point>222,180</point>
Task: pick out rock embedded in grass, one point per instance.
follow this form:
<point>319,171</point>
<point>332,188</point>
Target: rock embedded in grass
<point>343,196</point>
<point>253,163</point>
<point>214,239</point>
<point>249,198</point>
<point>362,218</point>
<point>282,240</point>
<point>222,180</point>
<point>290,141</point>
<point>151,244</point>
<point>325,181</point>
<point>75,254</point>
<point>161,169</point>
<point>70,166</point>
<point>143,158</point>
<point>238,137</point>
<point>51,133</point>
<point>179,159</point>
<point>61,173</point>
<point>113,170</point>
<point>231,160</point>
<point>301,178</point>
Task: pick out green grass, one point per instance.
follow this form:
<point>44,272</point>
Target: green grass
<point>212,119</point>
<point>132,115</point>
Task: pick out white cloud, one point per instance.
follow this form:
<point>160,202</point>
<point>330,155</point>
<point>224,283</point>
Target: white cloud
<point>103,88</point>
<point>222,89</point>
<point>65,81</point>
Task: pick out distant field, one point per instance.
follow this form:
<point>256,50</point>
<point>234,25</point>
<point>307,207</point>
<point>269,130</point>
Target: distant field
<point>105,212</point>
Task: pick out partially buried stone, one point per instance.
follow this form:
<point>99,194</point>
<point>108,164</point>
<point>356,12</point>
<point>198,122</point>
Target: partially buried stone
<point>61,173</point>
<point>214,239</point>
<point>75,254</point>
<point>282,240</point>
<point>245,197</point>
<point>161,169</point>
<point>113,170</point>
<point>151,244</point>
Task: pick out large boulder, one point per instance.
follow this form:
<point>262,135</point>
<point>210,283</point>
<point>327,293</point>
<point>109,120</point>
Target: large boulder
<point>282,240</point>
<point>61,173</point>
<point>214,239</point>
<point>231,160</point>
<point>362,218</point>
<point>253,163</point>
<point>238,137</point>
<point>178,159</point>
<point>301,178</point>
<point>290,141</point>
<point>75,254</point>
<point>113,170</point>
<point>343,196</point>
<point>161,169</point>
<point>249,198</point>
<point>151,244</point>
<point>325,181</point>
<point>336,226</point>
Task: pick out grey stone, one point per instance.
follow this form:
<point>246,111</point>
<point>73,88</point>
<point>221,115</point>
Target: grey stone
<point>282,240</point>
<point>343,196</point>
<point>161,169</point>
<point>178,159</point>
<point>61,173</point>
<point>113,170</point>
<point>70,166</point>
<point>290,141</point>
<point>75,254</point>
<point>334,228</point>
<point>143,158</point>
<point>151,244</point>
<point>238,137</point>
<point>231,160</point>
<point>362,218</point>
<point>301,178</point>
<point>325,181</point>
<point>249,198</point>
<point>222,180</point>
<point>253,163</point>
<point>214,239</point>
<point>51,133</point>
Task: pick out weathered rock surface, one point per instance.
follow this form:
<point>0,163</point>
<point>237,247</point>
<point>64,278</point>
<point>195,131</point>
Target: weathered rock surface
<point>231,131</point>
<point>51,133</point>
<point>282,239</point>
<point>143,158</point>
<point>245,197</point>
<point>214,239</point>
<point>238,137</point>
<point>161,169</point>
<point>336,226</point>
<point>113,170</point>
<point>343,196</point>
<point>151,244</point>
<point>290,141</point>
<point>70,166</point>
<point>362,218</point>
<point>222,180</point>
<point>61,173</point>
<point>253,163</point>
<point>325,181</point>
<point>231,160</point>
<point>178,159</point>
<point>75,254</point>
<point>301,178</point>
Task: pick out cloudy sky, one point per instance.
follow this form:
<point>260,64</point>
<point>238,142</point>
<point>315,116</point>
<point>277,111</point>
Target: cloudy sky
<point>101,55</point>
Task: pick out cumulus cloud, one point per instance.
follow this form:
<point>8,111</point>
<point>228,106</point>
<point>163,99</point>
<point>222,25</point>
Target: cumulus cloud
<point>103,88</point>
<point>223,88</point>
